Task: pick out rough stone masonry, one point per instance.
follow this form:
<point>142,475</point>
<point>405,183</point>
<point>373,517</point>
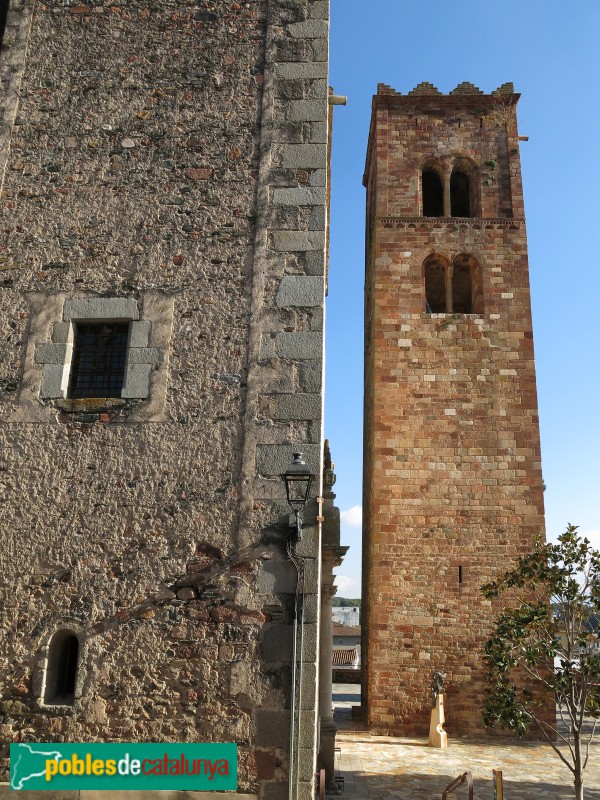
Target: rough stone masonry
<point>164,168</point>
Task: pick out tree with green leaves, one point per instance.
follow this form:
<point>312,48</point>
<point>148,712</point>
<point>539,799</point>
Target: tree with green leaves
<point>541,648</point>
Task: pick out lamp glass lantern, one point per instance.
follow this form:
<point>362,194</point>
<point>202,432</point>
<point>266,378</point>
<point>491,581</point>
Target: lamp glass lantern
<point>298,480</point>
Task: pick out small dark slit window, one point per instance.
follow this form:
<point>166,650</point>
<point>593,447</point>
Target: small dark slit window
<point>62,669</point>
<point>99,358</point>
<point>460,575</point>
<point>460,194</point>
<point>435,289</point>
<point>3,15</point>
<point>433,194</point>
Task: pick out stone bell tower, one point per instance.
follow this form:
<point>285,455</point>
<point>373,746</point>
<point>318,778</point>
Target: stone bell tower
<point>453,482</point>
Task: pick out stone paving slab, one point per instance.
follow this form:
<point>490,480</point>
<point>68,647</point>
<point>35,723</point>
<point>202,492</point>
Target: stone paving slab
<point>378,767</point>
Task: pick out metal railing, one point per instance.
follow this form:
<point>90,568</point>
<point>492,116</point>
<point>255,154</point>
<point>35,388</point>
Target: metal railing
<point>466,776</point>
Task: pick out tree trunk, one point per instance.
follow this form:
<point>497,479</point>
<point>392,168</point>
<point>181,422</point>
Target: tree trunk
<point>577,763</point>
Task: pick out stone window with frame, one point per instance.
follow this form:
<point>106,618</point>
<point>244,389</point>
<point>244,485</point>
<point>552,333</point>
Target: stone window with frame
<point>100,349</point>
<point>54,320</point>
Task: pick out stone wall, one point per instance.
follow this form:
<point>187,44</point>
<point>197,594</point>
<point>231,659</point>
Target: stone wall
<point>168,157</point>
<point>453,483</point>
<point>14,46</point>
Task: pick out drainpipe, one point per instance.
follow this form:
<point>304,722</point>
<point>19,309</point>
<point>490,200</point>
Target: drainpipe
<point>297,668</point>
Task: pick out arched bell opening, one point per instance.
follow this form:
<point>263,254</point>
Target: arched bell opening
<point>432,193</point>
<point>460,194</point>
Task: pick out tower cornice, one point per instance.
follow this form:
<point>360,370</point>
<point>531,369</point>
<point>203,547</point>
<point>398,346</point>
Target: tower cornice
<point>449,222</point>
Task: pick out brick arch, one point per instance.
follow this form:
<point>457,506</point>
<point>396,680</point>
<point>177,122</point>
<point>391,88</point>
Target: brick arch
<point>435,278</point>
<point>464,163</point>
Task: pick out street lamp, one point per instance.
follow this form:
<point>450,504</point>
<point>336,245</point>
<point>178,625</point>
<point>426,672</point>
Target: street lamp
<point>298,479</point>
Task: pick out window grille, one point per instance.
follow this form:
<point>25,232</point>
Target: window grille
<point>99,359</point>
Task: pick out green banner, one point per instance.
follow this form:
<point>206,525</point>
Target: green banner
<point>195,767</point>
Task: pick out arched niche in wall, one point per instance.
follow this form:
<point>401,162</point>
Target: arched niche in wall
<point>61,668</point>
<point>432,190</point>
<point>435,270</point>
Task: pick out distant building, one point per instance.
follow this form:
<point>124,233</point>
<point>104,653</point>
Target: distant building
<point>346,659</point>
<point>346,635</point>
<point>346,615</point>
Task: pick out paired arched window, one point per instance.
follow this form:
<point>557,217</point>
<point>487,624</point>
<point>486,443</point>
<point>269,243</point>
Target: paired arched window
<point>61,669</point>
<point>452,288</point>
<point>449,194</point>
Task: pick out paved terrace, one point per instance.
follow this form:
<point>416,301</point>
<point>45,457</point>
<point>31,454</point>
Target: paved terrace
<point>378,767</point>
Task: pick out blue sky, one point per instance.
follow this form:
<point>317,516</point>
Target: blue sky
<point>550,51</point>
